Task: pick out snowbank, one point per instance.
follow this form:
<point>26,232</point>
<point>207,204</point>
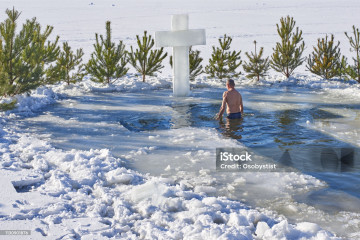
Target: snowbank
<point>43,96</point>
<point>90,194</point>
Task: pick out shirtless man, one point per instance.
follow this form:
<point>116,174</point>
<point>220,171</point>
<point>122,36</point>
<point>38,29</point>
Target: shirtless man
<point>232,98</point>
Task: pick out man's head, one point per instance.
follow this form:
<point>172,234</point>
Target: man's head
<point>230,84</point>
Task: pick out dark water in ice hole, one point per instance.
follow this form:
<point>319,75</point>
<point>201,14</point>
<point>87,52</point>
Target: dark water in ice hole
<point>276,128</point>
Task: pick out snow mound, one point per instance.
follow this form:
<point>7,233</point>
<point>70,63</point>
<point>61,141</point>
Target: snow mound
<point>93,187</point>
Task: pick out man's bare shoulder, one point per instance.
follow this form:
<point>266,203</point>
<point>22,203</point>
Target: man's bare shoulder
<point>237,92</point>
<point>232,92</point>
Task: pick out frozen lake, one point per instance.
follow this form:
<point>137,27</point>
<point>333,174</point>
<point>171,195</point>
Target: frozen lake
<point>164,136</point>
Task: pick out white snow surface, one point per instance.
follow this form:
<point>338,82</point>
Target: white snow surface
<point>89,194</point>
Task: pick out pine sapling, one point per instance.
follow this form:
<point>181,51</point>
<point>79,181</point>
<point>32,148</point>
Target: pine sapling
<point>66,64</point>
<point>257,66</point>
<point>108,61</point>
<point>287,53</point>
<point>38,55</point>
<point>145,60</point>
<point>223,62</point>
<point>344,69</point>
<point>25,55</point>
<point>194,64</point>
<point>353,71</point>
<point>325,60</point>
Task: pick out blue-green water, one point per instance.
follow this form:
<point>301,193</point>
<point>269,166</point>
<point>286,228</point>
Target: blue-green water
<point>276,129</point>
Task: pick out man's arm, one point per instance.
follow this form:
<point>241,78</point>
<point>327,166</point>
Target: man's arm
<point>241,105</point>
<point>222,108</point>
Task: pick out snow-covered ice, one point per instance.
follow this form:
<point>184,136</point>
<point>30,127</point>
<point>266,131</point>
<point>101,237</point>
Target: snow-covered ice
<point>90,194</point>
<point>95,194</point>
<point>61,190</point>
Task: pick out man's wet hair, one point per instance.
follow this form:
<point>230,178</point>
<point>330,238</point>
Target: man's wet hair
<point>231,83</point>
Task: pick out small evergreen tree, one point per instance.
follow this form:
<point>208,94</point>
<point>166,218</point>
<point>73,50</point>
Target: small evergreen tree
<point>146,61</point>
<point>108,61</point>
<point>325,60</point>
<point>223,62</point>
<point>24,56</point>
<point>65,64</point>
<point>257,66</point>
<point>194,64</point>
<point>287,53</point>
<point>344,69</point>
<point>354,71</point>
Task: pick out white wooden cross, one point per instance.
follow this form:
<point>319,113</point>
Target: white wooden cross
<point>180,38</point>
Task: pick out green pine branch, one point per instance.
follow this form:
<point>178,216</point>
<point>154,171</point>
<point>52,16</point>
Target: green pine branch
<point>108,61</point>
<point>223,62</point>
<point>257,66</point>
<point>65,66</point>
<point>145,60</point>
<point>353,71</point>
<point>24,54</point>
<point>326,60</point>
<point>287,54</point>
